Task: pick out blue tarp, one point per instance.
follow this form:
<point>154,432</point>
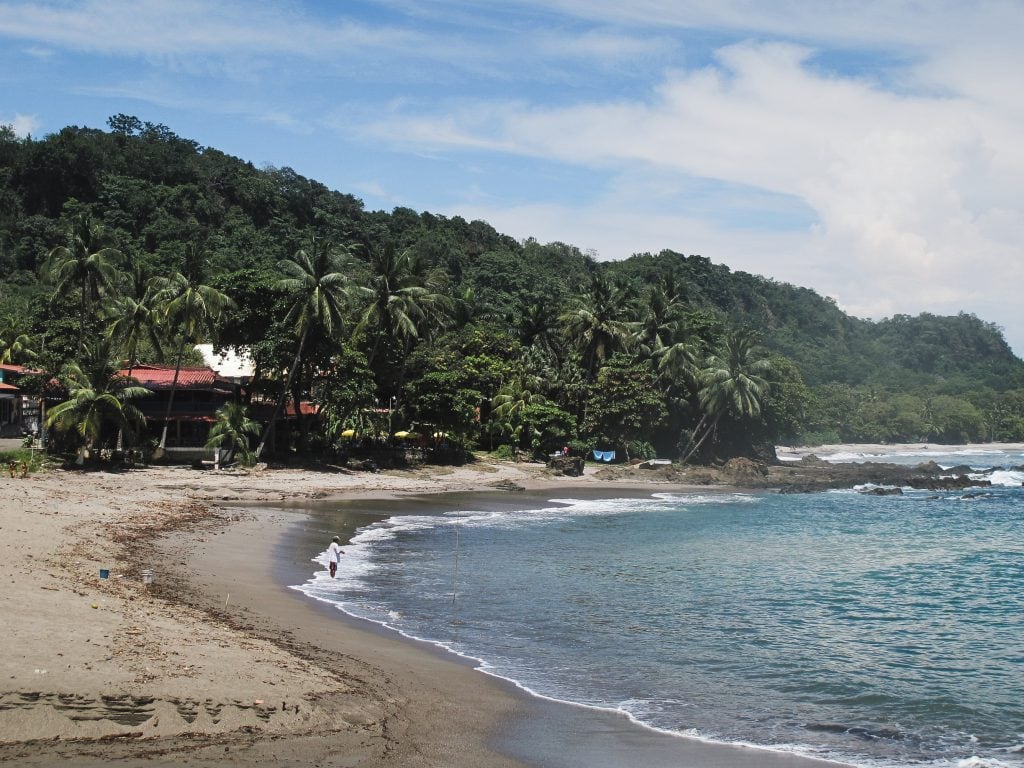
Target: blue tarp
<point>604,455</point>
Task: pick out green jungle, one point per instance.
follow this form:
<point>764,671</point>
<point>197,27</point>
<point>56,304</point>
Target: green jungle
<point>132,244</point>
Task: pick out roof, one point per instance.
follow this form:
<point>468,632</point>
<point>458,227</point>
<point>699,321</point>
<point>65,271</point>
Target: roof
<point>192,377</point>
<point>11,368</point>
<point>264,410</point>
<point>8,388</point>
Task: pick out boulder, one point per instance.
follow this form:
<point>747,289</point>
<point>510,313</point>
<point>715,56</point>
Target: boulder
<point>881,491</point>
<point>744,472</point>
<point>570,466</point>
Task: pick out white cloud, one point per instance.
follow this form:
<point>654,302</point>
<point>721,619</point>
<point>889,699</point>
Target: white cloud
<point>23,125</point>
<point>155,28</point>
<point>919,199</point>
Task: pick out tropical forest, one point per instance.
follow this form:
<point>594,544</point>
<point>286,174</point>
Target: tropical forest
<point>130,245</point>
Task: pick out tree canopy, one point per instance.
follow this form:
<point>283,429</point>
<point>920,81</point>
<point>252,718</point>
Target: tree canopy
<point>145,237</point>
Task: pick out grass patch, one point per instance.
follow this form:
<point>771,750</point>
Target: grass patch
<point>34,460</point>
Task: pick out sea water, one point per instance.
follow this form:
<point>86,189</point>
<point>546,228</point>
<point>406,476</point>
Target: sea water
<point>878,630</point>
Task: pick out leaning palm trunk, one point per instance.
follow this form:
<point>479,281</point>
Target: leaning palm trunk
<point>708,431</point>
<point>284,395</point>
<point>685,452</point>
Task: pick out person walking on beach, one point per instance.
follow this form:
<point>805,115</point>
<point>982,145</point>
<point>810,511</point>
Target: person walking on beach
<point>334,554</point>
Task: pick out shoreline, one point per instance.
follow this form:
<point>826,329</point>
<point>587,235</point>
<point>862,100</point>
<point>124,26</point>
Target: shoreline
<point>525,725</point>
<point>104,670</point>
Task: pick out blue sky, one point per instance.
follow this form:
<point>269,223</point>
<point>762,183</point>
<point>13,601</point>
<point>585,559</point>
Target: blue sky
<point>873,151</point>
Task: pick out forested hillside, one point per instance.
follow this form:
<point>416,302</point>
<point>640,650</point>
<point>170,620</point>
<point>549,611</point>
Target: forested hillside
<point>492,340</point>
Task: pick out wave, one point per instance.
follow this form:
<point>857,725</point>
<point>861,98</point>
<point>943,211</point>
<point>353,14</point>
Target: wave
<point>1010,478</point>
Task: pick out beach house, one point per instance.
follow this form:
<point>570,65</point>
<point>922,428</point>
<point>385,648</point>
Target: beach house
<point>19,413</point>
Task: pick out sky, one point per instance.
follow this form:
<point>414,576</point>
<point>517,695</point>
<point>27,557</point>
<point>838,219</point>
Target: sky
<point>872,151</point>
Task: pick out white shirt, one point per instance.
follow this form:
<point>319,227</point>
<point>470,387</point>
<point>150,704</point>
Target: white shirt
<point>334,552</point>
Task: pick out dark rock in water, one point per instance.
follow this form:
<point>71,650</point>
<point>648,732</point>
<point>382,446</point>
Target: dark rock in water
<point>947,483</point>
<point>977,495</point>
<point>812,475</point>
<point>810,460</point>
<point>572,466</point>
<point>960,469</point>
<point>881,491</point>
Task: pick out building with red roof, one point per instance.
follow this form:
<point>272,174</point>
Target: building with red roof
<point>198,395</point>
<point>18,412</point>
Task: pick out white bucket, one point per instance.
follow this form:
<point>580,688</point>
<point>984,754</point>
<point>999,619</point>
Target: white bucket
<point>147,576</point>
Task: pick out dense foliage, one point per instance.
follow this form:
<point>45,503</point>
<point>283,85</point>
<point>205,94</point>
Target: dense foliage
<point>153,242</point>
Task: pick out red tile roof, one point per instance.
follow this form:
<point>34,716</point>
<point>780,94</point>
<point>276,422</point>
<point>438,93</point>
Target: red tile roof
<point>264,410</point>
<point>8,387</point>
<point>158,377</point>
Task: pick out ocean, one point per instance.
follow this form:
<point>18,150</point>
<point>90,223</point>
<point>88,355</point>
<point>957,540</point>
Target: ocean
<point>875,630</point>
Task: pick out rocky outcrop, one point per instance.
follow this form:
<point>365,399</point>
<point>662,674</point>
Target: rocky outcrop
<point>571,466</point>
<point>744,472</point>
<point>956,483</point>
<point>881,491</point>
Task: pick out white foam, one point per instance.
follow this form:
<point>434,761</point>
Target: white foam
<point>982,762</point>
<point>1011,478</point>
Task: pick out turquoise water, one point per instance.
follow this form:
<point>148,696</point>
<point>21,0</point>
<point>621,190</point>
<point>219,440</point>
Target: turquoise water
<point>877,630</point>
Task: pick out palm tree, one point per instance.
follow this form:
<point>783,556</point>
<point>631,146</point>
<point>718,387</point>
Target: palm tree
<point>399,299</point>
<point>662,318</point>
<point>538,325</point>
<point>732,382</point>
<point>16,347</point>
<point>511,402</point>
<point>600,323</point>
<point>315,278</point>
<point>134,315</point>
<point>232,431</point>
<point>190,307</point>
<point>85,266</point>
<point>94,400</point>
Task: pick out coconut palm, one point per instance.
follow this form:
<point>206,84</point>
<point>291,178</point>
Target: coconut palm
<point>511,402</point>
<point>16,347</point>
<point>190,308</point>
<point>600,323</point>
<point>232,431</point>
<point>662,316</point>
<point>538,325</point>
<point>399,301</point>
<point>87,265</point>
<point>315,277</point>
<point>732,382</point>
<point>95,400</point>
<point>134,315</point>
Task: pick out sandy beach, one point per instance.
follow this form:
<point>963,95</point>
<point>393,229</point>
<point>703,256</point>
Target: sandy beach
<point>217,662</point>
